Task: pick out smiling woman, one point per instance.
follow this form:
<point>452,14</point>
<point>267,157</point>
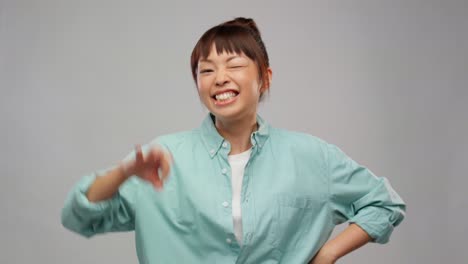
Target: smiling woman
<point>239,190</point>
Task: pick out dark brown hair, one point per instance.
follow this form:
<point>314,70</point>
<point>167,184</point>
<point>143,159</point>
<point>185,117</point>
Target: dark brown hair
<point>240,35</point>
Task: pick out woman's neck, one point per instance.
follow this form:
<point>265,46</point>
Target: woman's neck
<point>237,132</point>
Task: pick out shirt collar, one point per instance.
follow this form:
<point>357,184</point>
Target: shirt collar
<point>214,141</point>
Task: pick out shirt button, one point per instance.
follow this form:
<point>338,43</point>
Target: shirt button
<point>224,170</point>
<point>224,144</point>
<point>212,151</point>
<point>228,240</point>
<point>225,204</point>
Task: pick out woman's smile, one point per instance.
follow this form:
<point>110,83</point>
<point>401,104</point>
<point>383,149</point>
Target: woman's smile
<point>225,97</point>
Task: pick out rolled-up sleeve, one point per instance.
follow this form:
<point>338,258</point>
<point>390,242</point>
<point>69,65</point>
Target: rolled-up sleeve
<point>360,197</point>
<point>111,215</point>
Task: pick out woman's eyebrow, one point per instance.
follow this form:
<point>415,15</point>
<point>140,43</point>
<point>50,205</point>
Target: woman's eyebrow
<point>233,57</point>
<point>227,60</point>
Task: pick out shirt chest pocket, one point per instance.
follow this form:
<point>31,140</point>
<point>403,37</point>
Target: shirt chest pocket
<point>182,212</point>
<point>294,217</point>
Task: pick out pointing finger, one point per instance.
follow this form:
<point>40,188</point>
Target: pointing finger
<point>138,154</point>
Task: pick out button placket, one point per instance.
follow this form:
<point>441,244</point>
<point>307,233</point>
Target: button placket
<point>226,206</point>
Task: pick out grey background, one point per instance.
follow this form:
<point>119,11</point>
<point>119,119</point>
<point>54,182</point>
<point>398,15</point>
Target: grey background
<point>83,81</point>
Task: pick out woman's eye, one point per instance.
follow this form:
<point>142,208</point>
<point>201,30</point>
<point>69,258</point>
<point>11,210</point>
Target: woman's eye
<point>205,71</point>
<point>237,66</point>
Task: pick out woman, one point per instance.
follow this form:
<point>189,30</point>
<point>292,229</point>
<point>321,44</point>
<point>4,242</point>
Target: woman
<point>236,190</point>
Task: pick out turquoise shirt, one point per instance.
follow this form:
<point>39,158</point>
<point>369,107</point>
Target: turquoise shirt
<point>296,188</point>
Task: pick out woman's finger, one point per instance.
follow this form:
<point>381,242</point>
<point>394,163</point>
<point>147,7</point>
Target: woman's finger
<point>155,179</point>
<point>156,154</point>
<point>138,154</point>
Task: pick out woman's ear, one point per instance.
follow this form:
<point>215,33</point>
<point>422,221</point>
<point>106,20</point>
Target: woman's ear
<point>265,84</point>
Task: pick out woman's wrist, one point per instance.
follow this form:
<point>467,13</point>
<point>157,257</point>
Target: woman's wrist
<point>328,253</point>
<point>124,169</point>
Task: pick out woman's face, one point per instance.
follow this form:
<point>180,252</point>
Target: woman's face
<point>228,85</point>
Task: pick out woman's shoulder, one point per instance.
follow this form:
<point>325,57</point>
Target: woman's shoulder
<point>306,148</point>
<point>297,137</point>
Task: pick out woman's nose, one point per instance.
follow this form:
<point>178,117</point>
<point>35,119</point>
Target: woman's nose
<point>221,78</point>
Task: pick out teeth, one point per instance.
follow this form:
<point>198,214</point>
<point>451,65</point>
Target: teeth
<point>225,96</point>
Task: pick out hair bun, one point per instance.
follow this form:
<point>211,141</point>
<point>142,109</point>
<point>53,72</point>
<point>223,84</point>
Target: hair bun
<point>244,22</point>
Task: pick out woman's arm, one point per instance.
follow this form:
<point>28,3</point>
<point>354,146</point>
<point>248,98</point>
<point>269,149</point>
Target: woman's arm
<point>359,196</point>
<point>104,202</point>
<point>104,187</point>
<point>366,201</point>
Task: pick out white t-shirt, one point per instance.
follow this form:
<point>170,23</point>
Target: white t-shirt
<point>237,163</point>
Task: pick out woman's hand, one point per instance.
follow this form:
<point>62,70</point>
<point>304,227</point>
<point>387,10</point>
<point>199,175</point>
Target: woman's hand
<point>152,166</point>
